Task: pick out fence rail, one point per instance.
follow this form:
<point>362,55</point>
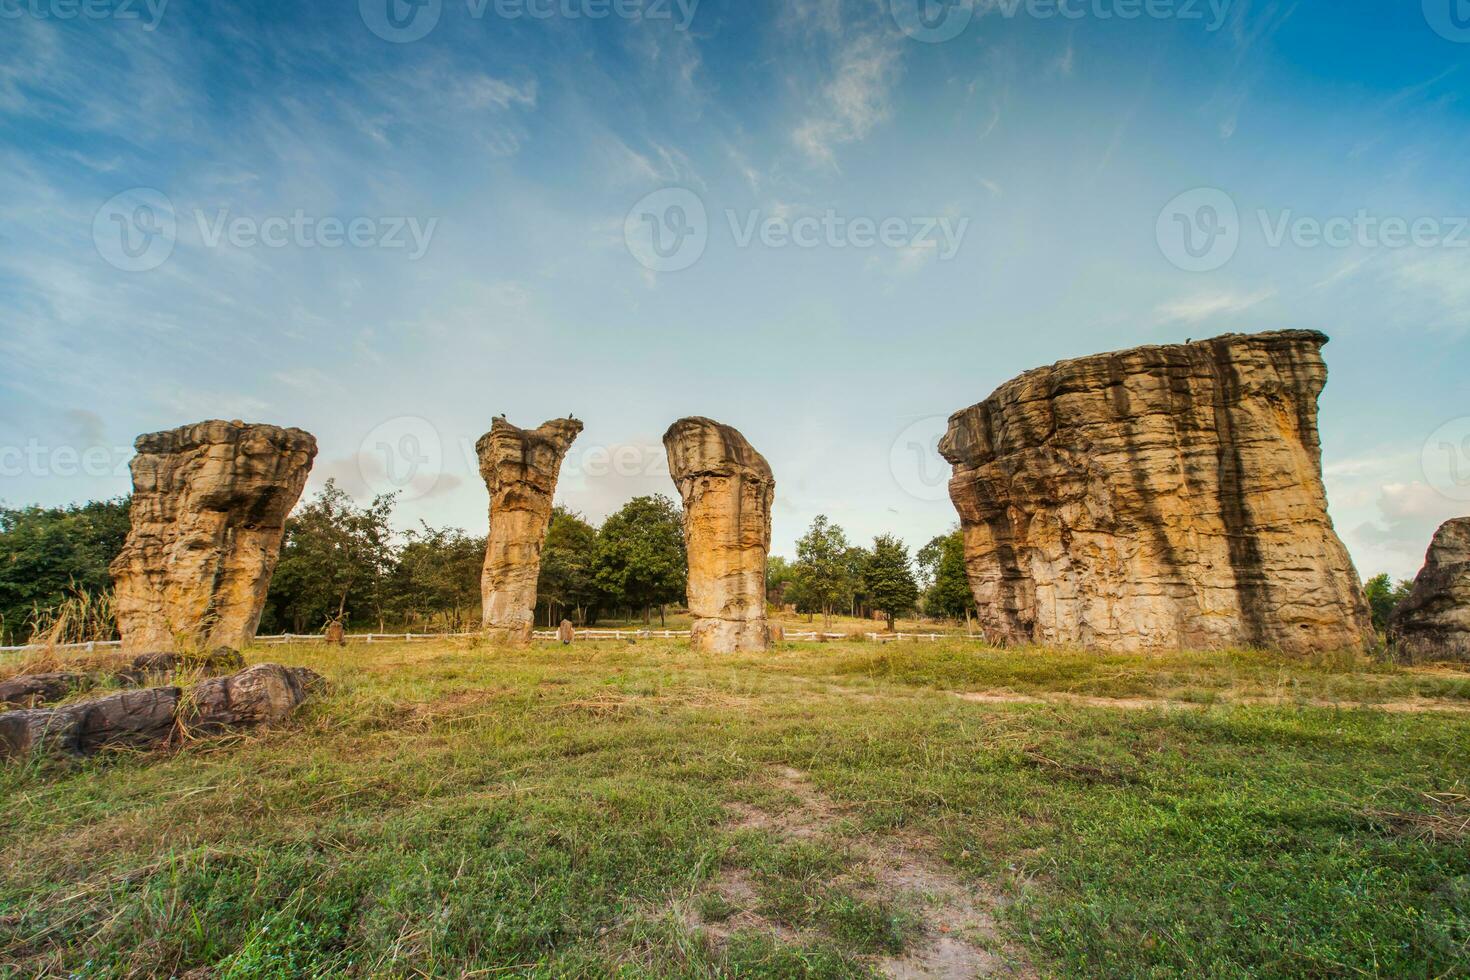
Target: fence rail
<point>581,634</point>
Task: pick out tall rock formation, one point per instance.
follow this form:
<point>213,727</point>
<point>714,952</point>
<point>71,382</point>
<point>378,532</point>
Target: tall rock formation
<point>209,510</point>
<point>1433,623</point>
<point>520,467</point>
<point>1160,497</point>
<point>727,488</point>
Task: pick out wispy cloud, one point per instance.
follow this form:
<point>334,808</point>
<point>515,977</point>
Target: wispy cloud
<point>854,100</point>
<point>1206,306</point>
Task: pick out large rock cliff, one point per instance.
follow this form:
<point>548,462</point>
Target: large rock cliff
<point>520,467</point>
<point>1433,623</point>
<point>1158,497</point>
<point>209,510</point>
<point>727,489</point>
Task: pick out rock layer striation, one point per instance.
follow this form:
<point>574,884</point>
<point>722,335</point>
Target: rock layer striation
<point>1433,623</point>
<point>727,489</point>
<point>208,514</point>
<point>1160,497</point>
<point>520,467</point>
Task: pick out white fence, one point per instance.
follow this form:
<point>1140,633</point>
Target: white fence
<point>583,634</point>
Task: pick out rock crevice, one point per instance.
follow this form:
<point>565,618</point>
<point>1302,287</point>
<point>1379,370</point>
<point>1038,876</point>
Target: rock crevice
<point>1166,496</point>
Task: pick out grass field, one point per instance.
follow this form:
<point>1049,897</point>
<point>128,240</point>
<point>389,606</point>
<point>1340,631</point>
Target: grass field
<point>825,810</point>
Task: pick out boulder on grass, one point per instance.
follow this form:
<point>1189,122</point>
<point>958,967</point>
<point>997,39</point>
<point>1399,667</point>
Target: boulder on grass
<point>265,694</point>
<point>30,690</point>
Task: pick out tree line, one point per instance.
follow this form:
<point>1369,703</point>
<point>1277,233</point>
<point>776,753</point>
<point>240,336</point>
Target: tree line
<point>344,560</point>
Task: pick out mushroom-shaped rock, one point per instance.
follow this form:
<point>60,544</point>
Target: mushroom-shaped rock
<point>208,514</point>
<point>520,468</point>
<point>1159,497</point>
<point>727,489</point>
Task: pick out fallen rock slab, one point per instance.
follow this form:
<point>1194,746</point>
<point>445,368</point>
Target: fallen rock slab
<point>265,694</point>
<point>30,690</point>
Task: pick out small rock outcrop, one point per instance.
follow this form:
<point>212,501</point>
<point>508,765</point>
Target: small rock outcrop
<point>1160,497</point>
<point>727,488</point>
<point>261,695</point>
<point>29,690</point>
<point>520,468</point>
<point>566,632</point>
<point>208,514</point>
<point>34,690</point>
<point>1433,623</point>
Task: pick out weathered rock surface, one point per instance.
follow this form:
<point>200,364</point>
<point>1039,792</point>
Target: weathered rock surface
<point>34,690</point>
<point>260,695</point>
<point>727,488</point>
<point>29,690</point>
<point>265,694</point>
<point>566,632</point>
<point>1433,623</point>
<point>520,468</point>
<point>208,514</point>
<point>1158,497</point>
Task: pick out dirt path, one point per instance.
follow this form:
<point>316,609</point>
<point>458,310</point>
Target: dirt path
<point>959,939</point>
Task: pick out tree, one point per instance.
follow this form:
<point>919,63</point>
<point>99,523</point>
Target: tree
<point>337,559</point>
<point>823,568</point>
<point>641,562</point>
<point>888,578</point>
<point>1383,597</point>
<point>568,565</point>
<point>49,553</point>
<point>949,594</point>
<point>437,574</point>
<point>779,578</point>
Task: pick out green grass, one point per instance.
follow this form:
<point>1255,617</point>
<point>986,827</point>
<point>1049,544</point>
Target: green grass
<point>450,809</point>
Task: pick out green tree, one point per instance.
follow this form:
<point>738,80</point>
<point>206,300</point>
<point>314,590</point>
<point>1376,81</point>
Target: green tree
<point>436,575</point>
<point>48,553</point>
<point>337,560</point>
<point>568,566</point>
<point>641,561</point>
<point>949,591</point>
<point>824,573</point>
<point>1383,597</point>
<point>888,578</point>
<point>779,578</point>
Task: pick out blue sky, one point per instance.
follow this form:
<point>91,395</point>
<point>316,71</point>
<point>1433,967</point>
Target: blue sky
<point>493,170</point>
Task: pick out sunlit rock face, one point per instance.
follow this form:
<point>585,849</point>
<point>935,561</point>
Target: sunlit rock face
<point>520,467</point>
<point>727,489</point>
<point>208,514</point>
<point>1434,621</point>
<point>1159,497</point>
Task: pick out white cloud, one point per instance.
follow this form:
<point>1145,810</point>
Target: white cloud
<point>1195,309</point>
<point>854,101</point>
